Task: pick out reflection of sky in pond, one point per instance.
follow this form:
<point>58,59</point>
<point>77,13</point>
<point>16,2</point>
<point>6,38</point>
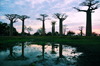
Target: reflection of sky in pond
<point>32,51</point>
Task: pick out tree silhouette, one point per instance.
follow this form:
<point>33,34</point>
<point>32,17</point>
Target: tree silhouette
<point>94,34</point>
<point>43,50</point>
<point>70,33</point>
<point>11,56</point>
<point>53,27</point>
<point>61,18</point>
<point>13,18</point>
<point>53,49</point>
<point>49,34</point>
<point>29,29</point>
<point>81,28</point>
<point>92,5</point>
<point>60,51</point>
<point>22,18</point>
<point>4,29</point>
<point>43,20</point>
<point>40,31</point>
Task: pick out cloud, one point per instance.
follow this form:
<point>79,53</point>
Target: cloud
<point>54,0</point>
<point>20,2</point>
<point>2,17</point>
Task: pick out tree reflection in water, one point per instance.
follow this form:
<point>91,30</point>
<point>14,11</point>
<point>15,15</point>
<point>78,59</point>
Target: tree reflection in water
<point>61,57</point>
<point>13,55</point>
<point>53,48</point>
<point>22,57</point>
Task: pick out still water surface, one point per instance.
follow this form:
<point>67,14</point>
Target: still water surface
<point>42,55</point>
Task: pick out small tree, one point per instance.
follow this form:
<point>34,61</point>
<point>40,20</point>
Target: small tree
<point>92,5</point>
<point>49,34</point>
<point>36,34</point>
<point>28,29</point>
<point>39,31</point>
<point>94,34</point>
<point>13,18</point>
<point>70,33</point>
<point>22,18</point>
<point>53,27</point>
<point>81,28</point>
<point>61,18</point>
<point>43,20</point>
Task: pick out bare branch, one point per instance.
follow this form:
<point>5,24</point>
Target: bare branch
<point>81,28</point>
<point>57,15</point>
<point>44,15</point>
<point>94,3</point>
<point>76,8</point>
<point>12,17</point>
<point>15,20</point>
<point>79,9</point>
<point>96,7</point>
<point>8,16</point>
<point>84,4</point>
<point>39,19</point>
<point>89,3</point>
<point>23,17</point>
<point>60,16</point>
<point>63,15</point>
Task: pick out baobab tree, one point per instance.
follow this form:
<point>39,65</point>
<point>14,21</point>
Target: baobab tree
<point>92,5</point>
<point>53,27</point>
<point>81,28</point>
<point>13,18</point>
<point>61,18</point>
<point>43,24</point>
<point>22,18</point>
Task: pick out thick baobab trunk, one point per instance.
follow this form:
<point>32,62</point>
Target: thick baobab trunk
<point>11,28</point>
<point>43,29</point>
<point>23,28</point>
<point>81,32</point>
<point>43,51</point>
<point>53,50</point>
<point>88,24</point>
<point>60,25</point>
<point>60,51</point>
<point>53,30</point>
<point>11,50</point>
<point>23,49</point>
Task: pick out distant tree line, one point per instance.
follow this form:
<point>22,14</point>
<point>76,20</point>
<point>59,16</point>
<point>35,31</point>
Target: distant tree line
<point>5,29</point>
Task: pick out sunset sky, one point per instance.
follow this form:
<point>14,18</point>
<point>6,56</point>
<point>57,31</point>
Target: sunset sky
<point>33,9</point>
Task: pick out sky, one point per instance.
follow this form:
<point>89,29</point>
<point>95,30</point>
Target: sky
<point>33,9</point>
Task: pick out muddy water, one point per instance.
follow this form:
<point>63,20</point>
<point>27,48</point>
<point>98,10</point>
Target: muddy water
<point>40,55</point>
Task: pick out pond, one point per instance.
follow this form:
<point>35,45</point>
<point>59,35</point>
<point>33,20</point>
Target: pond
<point>48,54</point>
